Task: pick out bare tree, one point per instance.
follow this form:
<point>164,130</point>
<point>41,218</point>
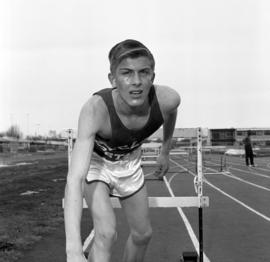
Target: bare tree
<point>14,131</point>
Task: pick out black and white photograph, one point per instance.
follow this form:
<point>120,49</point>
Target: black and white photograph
<point>134,131</point>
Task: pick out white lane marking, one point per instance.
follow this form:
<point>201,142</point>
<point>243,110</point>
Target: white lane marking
<point>253,169</point>
<point>187,224</point>
<point>247,182</point>
<point>231,197</point>
<point>242,180</point>
<point>233,162</point>
<point>172,177</point>
<point>247,171</point>
<point>149,174</point>
<point>239,202</point>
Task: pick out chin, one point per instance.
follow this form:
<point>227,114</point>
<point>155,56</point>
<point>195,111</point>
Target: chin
<point>136,102</point>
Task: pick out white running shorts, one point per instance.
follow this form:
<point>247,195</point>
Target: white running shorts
<point>124,177</point>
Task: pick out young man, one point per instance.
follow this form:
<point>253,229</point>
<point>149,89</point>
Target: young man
<point>106,157</point>
<point>249,156</point>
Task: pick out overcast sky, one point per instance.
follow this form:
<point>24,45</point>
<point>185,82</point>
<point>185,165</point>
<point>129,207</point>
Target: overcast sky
<point>215,53</point>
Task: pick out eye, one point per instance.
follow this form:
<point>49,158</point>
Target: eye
<point>145,72</point>
<point>125,72</point>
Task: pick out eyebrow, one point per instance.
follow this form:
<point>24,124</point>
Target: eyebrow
<point>141,69</point>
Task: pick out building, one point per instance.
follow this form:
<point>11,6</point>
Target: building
<point>13,145</point>
<point>222,136</point>
<point>259,136</point>
<point>52,133</point>
<point>183,136</point>
<point>234,136</point>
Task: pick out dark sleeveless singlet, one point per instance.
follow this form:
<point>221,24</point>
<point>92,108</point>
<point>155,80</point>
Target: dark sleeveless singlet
<point>124,140</point>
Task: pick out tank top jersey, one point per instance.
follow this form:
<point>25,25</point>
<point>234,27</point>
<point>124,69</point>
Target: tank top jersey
<point>123,140</point>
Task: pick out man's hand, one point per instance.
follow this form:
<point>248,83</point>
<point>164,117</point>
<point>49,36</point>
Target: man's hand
<point>162,166</point>
<point>76,258</point>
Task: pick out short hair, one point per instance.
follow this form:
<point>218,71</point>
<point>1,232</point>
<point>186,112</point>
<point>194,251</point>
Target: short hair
<point>129,48</point>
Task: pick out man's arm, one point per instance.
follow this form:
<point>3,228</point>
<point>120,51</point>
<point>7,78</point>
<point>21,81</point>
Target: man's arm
<point>78,169</point>
<point>168,129</point>
<point>169,107</point>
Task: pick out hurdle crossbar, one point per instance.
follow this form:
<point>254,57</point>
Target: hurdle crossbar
<point>148,163</point>
<point>163,202</point>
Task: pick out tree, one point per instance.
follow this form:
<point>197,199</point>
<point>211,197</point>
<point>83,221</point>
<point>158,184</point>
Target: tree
<point>14,131</point>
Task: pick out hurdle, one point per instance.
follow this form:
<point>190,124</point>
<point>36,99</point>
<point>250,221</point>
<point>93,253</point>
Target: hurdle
<point>200,201</point>
<point>219,161</point>
<point>149,158</point>
<point>69,143</point>
<point>149,155</point>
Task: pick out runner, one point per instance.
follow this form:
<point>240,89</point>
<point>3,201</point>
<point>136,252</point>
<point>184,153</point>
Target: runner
<point>113,123</point>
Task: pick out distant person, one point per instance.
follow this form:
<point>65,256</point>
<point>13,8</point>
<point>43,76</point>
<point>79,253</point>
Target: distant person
<point>106,157</point>
<point>248,150</point>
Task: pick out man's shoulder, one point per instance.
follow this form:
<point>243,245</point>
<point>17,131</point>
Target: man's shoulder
<point>93,115</point>
<point>95,101</point>
<point>103,91</point>
<point>168,98</point>
<point>95,106</point>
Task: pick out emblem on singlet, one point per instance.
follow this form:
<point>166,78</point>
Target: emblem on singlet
<point>116,153</point>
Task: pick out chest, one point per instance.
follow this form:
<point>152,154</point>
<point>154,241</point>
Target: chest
<point>134,122</point>
<point>131,123</point>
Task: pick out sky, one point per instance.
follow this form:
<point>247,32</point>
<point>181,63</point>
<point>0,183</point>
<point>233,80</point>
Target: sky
<point>53,56</point>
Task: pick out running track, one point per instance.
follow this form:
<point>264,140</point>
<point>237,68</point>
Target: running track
<point>236,224</point>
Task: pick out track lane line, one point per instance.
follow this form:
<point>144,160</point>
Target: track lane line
<point>245,181</point>
<point>231,197</point>
<point>186,222</point>
<point>240,179</point>
<point>247,171</point>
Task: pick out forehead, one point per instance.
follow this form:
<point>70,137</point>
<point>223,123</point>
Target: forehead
<point>135,63</point>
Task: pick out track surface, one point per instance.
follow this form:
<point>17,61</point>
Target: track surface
<point>236,225</point>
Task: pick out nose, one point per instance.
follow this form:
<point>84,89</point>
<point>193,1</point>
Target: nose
<point>136,79</point>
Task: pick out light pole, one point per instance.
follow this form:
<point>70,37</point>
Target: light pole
<point>37,129</point>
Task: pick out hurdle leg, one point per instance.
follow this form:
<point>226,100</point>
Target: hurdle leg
<point>201,234</point>
<point>189,256</point>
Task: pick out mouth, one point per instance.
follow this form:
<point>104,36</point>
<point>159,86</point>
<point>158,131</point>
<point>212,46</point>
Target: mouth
<point>136,92</point>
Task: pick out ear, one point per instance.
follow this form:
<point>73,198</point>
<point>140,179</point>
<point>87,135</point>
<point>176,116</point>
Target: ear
<point>153,77</point>
<point>112,79</point>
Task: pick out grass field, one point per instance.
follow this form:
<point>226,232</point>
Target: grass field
<point>27,218</point>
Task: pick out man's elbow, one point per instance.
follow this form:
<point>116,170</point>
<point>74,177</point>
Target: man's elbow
<point>177,100</point>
